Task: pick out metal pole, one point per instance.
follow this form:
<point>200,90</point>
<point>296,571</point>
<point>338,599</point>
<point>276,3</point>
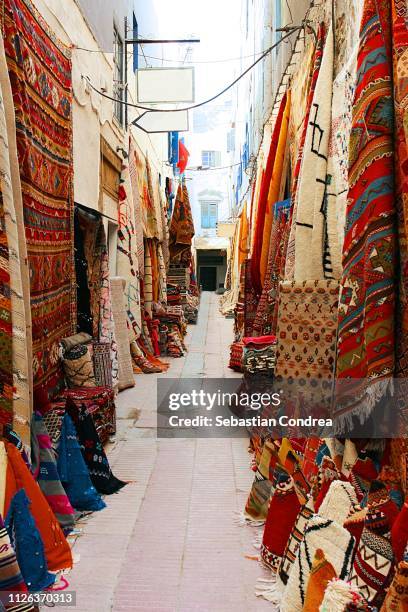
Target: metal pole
<point>149,41</point>
<point>126,77</point>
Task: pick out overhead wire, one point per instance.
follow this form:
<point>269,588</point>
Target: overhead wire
<point>173,61</point>
<point>207,169</point>
<point>291,31</point>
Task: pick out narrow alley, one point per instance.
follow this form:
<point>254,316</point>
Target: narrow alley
<point>171,541</point>
<point>204,305</point>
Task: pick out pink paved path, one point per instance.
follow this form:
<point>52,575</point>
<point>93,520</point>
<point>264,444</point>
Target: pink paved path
<point>170,540</point>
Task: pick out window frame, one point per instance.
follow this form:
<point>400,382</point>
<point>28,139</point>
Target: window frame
<point>118,74</point>
<point>209,220</point>
<point>135,26</point>
<point>214,158</point>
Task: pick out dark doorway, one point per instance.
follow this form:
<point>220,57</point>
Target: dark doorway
<point>208,278</point>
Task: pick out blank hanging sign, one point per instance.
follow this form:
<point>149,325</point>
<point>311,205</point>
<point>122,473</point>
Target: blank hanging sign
<point>162,121</point>
<point>165,85</point>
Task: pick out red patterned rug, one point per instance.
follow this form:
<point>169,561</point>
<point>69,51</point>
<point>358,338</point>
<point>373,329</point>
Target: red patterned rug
<point>367,298</point>
<point>40,74</point>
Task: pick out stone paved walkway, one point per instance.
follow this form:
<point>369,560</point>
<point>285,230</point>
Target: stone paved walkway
<point>170,541</point>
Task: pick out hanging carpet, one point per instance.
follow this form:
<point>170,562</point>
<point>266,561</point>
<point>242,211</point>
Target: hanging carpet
<point>40,74</point>
<point>367,297</point>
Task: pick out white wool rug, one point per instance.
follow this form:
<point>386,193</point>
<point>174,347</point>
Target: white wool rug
<point>310,217</point>
<point>338,547</point>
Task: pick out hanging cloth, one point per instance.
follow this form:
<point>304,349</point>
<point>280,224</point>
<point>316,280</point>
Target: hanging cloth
<point>290,250</point>
<point>73,471</point>
<point>11,578</point>
<point>92,450</point>
<point>27,543</point>
<point>365,348</point>
<point>275,186</point>
<point>57,550</point>
<point>311,214</point>
<point>48,477</point>
<point>243,236</point>
<point>262,204</point>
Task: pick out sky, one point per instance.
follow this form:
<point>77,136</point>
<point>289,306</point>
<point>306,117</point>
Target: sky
<point>217,24</point>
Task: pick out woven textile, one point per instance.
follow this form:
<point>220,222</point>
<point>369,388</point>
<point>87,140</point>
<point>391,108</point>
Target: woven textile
<point>148,278</point>
<point>293,543</point>
<point>372,566</point>
<point>27,543</point>
<point>306,332</point>
<point>82,263</point>
<point>48,477</point>
<point>125,378</point>
<point>311,216</point>
<point>317,59</point>
<point>40,75</point>
<point>400,73</point>
<point>92,450</point>
<point>256,508</point>
<point>81,338</point>
<point>374,558</point>
<point>150,207</point>
<point>328,473</point>
<point>73,471</point>
<point>282,513</point>
<point>399,532</point>
<point>181,230</point>
<point>6,328</point>
<point>19,272</point>
<point>259,360</point>
<point>53,423</point>
<point>338,547</point>
<point>127,264</point>
<point>100,401</point>
<point>267,311</point>
<point>236,356</point>
<point>102,364</point>
<point>337,164</point>
<point>347,24</point>
<point>339,595</point>
<point>14,404</point>
<point>250,302</point>
<point>300,84</point>
<point>366,311</point>
<point>12,436</point>
<point>399,460</point>
<point>162,273</point>
<point>78,367</point>
<point>105,331</point>
<point>10,574</point>
<point>275,187</point>
<point>262,202</point>
<point>57,550</point>
<point>243,236</point>
<point>397,595</point>
<point>136,172</point>
<point>338,501</point>
<point>321,573</point>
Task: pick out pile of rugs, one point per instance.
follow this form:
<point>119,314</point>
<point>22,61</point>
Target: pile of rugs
<point>332,523</point>
<point>44,496</point>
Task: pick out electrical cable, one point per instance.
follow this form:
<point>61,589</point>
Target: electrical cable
<point>173,61</point>
<point>204,169</point>
<point>175,110</point>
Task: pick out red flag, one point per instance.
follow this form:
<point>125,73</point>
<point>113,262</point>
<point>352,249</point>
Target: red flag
<point>183,157</point>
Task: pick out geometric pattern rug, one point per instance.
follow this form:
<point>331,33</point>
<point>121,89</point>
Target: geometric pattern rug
<point>40,74</point>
